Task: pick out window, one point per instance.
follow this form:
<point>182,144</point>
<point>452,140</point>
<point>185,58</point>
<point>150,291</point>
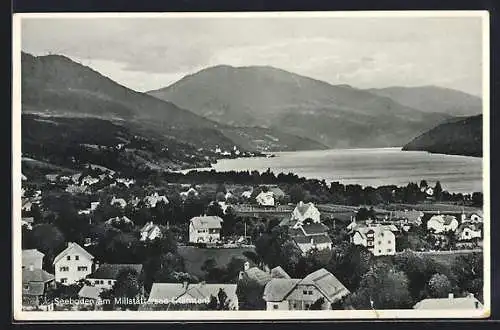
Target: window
<point>379,242</point>
<point>379,251</point>
<point>77,257</point>
<point>64,280</point>
<point>304,292</point>
<point>82,268</point>
<point>389,250</point>
<point>64,269</point>
<point>275,306</point>
<point>310,292</point>
<point>68,258</point>
<point>388,242</point>
<point>110,282</point>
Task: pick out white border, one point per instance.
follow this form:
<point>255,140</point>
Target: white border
<point>20,315</point>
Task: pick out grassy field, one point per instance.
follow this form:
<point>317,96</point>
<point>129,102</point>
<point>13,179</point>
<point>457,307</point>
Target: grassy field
<point>195,257</point>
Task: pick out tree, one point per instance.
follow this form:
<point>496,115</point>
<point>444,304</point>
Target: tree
<point>477,199</point>
<point>382,287</point>
<point>349,263</point>
<point>49,240</point>
<point>439,286</point>
<point>296,193</point>
<point>249,294</point>
<point>438,191</point>
<point>423,184</point>
<point>127,285</point>
<point>468,270</point>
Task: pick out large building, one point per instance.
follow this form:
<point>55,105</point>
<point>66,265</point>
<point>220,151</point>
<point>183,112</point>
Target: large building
<point>205,229</point>
<point>73,264</point>
<point>452,302</point>
<point>379,239</point>
<point>301,294</point>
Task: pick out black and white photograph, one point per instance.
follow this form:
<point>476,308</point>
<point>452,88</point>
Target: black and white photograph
<point>264,166</point>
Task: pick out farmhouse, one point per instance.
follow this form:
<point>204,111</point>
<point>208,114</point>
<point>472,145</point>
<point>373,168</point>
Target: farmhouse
<point>72,264</point>
<point>300,294</point>
<point>205,229</point>
<point>120,202</point>
<point>310,236</point>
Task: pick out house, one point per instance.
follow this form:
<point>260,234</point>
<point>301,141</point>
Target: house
<point>36,282</point>
<point>265,198</point>
<point>104,277</point>
<point>468,302</point>
<point>72,264</point>
<point>150,232</point>
<point>126,182</point>
<point>76,178</point>
<point>120,202</point>
<point>179,294</point>
<point>476,217</point>
<point>468,231</point>
<point>304,211</point>
<point>27,222</point>
<point>26,205</point>
<point>442,223</point>
<point>32,258</point>
<point>153,199</point>
<point>119,221</point>
<point>311,235</point>
<point>190,193</point>
<point>51,177</point>
<point>300,294</point>
<point>88,181</point>
<point>247,194</point>
<point>205,229</point>
<point>379,239</point>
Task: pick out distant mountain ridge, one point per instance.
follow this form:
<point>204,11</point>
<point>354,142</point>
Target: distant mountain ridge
<point>433,99</point>
<point>462,137</point>
<point>336,116</point>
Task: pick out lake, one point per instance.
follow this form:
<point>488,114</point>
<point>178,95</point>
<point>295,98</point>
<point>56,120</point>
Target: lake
<point>373,167</point>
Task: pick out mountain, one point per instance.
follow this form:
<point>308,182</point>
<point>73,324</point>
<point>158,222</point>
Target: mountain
<point>462,137</point>
<point>55,85</point>
<point>434,99</point>
<point>70,142</point>
<point>335,116</point>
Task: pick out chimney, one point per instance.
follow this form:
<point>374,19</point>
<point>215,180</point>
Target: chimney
<point>450,295</point>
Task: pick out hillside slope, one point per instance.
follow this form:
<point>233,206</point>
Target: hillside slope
<point>462,137</point>
<point>434,99</point>
<point>336,116</point>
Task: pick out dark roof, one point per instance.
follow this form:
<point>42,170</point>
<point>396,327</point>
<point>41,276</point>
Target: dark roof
<point>278,272</point>
<point>314,228</point>
<point>317,239</point>
<point>36,275</point>
<point>110,271</point>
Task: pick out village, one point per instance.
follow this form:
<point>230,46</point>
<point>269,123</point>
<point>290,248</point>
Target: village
<point>95,240</point>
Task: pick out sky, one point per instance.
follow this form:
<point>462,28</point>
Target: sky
<point>151,53</point>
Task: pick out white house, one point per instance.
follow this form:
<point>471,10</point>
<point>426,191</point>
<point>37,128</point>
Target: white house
<point>153,199</point>
<point>72,264</point>
<point>88,181</point>
<point>379,239</point>
<point>104,277</point>
<point>303,212</point>
<point>468,231</point>
<point>191,192</point>
<point>150,231</point>
<point>265,198</point>
<point>120,202</point>
<point>442,223</point>
<point>126,182</point>
<point>205,229</point>
<point>311,236</point>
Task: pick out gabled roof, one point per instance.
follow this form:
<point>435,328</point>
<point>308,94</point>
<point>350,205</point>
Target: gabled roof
<point>278,288</point>
<point>72,247</point>
<point>277,191</point>
<point>32,253</point>
<point>36,275</point>
<point>443,219</point>
<point>111,271</point>
<point>258,275</point>
<point>90,292</point>
<point>278,272</point>
<point>302,208</point>
<point>327,283</point>
<point>314,228</point>
<point>316,239</point>
<point>448,303</point>
<point>177,293</point>
<point>206,222</point>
